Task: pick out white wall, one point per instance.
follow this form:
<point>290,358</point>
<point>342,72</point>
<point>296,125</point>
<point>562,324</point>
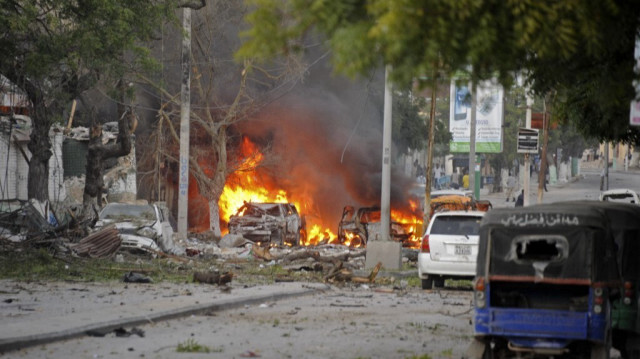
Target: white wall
<point>14,169</point>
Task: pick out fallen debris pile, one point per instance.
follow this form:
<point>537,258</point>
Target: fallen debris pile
<point>103,243</point>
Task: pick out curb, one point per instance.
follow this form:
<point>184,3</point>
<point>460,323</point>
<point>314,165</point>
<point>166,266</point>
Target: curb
<point>15,343</point>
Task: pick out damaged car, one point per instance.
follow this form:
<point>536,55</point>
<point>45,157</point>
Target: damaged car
<point>142,227</point>
<point>273,223</point>
<point>620,195</point>
<point>357,227</point>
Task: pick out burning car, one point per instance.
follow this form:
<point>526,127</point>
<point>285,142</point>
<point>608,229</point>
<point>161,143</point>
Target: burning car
<point>276,223</point>
<point>356,227</point>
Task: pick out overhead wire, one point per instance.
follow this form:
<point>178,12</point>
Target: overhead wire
<point>364,105</point>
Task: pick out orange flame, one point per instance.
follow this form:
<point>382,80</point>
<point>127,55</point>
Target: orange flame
<point>245,185</point>
<point>250,184</point>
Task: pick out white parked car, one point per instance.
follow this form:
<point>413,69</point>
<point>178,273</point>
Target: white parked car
<point>449,247</point>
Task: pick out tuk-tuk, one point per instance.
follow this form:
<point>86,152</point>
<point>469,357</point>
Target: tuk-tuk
<point>547,279</point>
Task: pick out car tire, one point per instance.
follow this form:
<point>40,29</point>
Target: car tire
<point>438,282</point>
<point>427,283</point>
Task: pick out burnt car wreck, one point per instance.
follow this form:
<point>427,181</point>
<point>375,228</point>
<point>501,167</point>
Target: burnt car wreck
<point>273,223</point>
<point>357,227</point>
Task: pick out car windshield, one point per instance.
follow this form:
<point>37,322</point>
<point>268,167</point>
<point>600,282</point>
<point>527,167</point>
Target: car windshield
<point>127,211</point>
<point>456,225</point>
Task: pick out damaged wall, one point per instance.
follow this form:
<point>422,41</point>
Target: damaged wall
<point>14,169</point>
<point>120,176</point>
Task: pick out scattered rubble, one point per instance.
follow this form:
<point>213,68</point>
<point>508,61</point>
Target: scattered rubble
<point>134,277</point>
<point>36,224</point>
<point>213,278</point>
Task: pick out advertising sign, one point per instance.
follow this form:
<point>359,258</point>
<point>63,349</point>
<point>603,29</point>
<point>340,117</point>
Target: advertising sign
<point>488,117</point>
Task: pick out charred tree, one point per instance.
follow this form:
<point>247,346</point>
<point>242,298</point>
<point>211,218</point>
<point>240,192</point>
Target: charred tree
<point>98,153</point>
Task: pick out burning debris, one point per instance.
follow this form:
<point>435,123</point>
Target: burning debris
<point>357,227</point>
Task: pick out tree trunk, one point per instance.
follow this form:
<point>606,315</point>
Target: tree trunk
<point>96,154</point>
<point>40,147</point>
<point>214,218</point>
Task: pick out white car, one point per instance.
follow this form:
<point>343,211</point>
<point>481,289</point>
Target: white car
<point>449,247</point>
<point>141,226</point>
<point>620,195</point>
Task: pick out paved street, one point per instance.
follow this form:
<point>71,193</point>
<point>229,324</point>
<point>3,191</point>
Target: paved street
<point>584,187</point>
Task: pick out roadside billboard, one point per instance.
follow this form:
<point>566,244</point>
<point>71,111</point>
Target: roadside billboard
<point>489,115</point>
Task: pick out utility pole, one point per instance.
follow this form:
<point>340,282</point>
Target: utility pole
<point>185,110</point>
<point>527,167</point>
<point>472,145</point>
<point>385,195</point>
<point>543,161</point>
<point>428,170</point>
<point>384,250</point>
<point>606,166</point>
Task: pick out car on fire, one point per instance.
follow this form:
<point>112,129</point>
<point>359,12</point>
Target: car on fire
<point>449,247</point>
<point>356,227</point>
<point>269,223</point>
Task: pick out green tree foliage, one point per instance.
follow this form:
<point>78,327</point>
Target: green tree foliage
<point>409,130</point>
<point>593,87</point>
<point>581,49</point>
<point>56,50</point>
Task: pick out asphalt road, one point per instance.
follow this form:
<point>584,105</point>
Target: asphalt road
<point>355,321</point>
<point>351,322</point>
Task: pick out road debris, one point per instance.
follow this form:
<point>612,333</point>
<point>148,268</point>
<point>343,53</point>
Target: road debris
<point>213,278</point>
<point>134,277</point>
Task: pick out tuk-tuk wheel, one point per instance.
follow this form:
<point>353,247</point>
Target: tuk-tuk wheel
<point>602,351</point>
<point>488,351</point>
<point>427,283</point>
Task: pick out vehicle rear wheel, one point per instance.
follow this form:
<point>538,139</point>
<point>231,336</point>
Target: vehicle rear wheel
<point>603,350</point>
<point>488,351</point>
<point>438,282</point>
<point>631,347</point>
<point>427,283</point>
